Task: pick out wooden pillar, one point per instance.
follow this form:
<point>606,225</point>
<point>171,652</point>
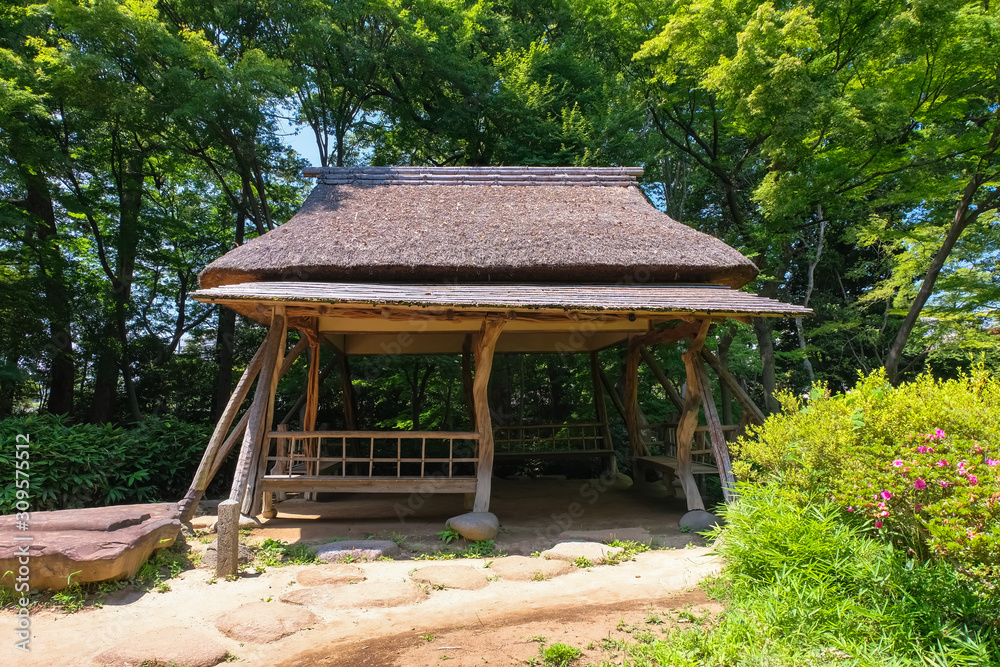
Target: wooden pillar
<point>719,447</point>
<point>203,476</point>
<point>689,422</point>
<point>483,346</point>
<point>601,410</point>
<point>631,402</point>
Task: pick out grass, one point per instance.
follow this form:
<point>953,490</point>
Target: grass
<point>804,586</point>
<point>560,655</point>
<point>277,553</point>
<point>583,562</point>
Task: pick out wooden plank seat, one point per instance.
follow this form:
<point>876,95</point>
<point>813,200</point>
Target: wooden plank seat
<point>668,465</point>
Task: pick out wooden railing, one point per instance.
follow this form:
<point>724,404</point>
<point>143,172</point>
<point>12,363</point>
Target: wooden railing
<point>373,454</point>
<point>549,439</point>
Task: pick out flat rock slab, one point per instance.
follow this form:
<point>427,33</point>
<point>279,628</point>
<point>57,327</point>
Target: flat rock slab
<point>336,574</point>
<point>335,552</point>
<point>366,595</point>
<point>464,577</point>
<point>632,534</point>
<point>522,568</point>
<point>165,646</point>
<point>264,622</point>
<point>595,552</point>
<point>98,544</point>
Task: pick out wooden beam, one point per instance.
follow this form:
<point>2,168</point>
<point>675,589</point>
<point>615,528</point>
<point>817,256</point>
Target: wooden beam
<point>718,438</point>
<point>662,378</point>
<point>203,476</point>
<point>671,335</point>
<point>237,433</point>
<point>749,407</point>
<point>253,500</point>
<point>482,349</point>
<point>256,421</point>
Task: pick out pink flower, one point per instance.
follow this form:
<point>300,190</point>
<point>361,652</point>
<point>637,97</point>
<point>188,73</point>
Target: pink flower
<point>973,480</point>
<point>992,462</point>
<point>919,484</point>
<point>922,449</point>
<point>878,524</point>
<point>941,463</point>
<point>851,508</point>
<point>938,434</point>
<point>883,513</point>
<point>886,495</point>
<point>944,483</point>
<point>898,463</point>
<point>918,508</point>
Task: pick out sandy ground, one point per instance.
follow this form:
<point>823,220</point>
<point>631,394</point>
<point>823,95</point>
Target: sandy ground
<point>494,625</point>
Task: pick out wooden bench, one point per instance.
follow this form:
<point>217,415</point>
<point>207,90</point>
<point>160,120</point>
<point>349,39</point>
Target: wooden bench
<point>548,442</point>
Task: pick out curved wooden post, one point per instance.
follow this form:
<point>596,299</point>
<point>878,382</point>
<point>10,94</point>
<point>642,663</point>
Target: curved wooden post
<point>483,346</point>
<point>689,422</point>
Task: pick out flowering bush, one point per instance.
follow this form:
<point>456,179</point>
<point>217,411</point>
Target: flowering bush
<point>920,463</point>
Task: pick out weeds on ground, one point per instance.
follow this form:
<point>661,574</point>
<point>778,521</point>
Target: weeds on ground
<point>449,535</point>
<point>629,549</point>
<point>277,553</point>
<point>560,655</point>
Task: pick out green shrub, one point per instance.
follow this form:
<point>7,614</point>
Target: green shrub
<point>805,586</point>
<point>86,465</point>
<point>920,462</point>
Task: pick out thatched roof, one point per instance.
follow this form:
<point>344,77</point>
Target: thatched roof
<point>507,224</point>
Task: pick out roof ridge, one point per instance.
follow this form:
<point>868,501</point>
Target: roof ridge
<point>518,176</point>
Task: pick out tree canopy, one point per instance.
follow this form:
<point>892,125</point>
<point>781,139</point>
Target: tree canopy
<point>849,149</point>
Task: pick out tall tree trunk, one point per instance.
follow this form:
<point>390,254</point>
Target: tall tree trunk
<point>52,265</point>
<point>763,327</point>
<point>224,340</point>
<point>225,336</point>
<point>726,397</point>
<point>105,398</point>
<point>130,206</point>
<point>965,214</point>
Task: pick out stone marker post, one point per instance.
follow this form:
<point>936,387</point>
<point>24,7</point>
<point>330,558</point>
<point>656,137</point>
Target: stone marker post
<point>228,546</point>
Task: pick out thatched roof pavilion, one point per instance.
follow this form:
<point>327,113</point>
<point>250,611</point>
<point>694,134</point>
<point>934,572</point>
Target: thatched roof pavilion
<point>397,260</point>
